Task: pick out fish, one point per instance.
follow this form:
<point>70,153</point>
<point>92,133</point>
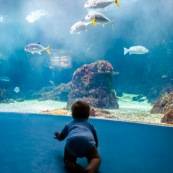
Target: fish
<point>99,4</point>
<point>37,48</point>
<point>52,82</point>
<point>81,26</point>
<point>16,89</point>
<point>4,79</point>
<point>164,76</point>
<point>136,50</point>
<point>99,18</point>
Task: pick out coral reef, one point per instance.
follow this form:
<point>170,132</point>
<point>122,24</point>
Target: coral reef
<point>166,90</point>
<point>93,83</point>
<point>163,104</point>
<point>168,117</point>
<point>59,93</point>
<point>157,92</point>
<point>95,112</point>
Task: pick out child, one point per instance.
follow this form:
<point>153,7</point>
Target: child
<point>81,140</point>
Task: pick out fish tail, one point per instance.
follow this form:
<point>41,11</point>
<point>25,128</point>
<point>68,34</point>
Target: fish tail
<point>93,21</point>
<point>116,2</point>
<point>48,49</point>
<point>125,51</point>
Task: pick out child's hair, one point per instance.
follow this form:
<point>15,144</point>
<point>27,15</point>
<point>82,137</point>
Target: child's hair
<point>80,110</point>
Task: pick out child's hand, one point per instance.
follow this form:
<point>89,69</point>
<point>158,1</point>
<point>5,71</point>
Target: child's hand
<point>56,135</point>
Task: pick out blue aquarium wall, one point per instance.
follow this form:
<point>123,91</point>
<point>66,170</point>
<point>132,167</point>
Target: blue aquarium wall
<point>28,145</point>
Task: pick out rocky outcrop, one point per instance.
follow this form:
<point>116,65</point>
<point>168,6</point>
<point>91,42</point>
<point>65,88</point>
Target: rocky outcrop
<point>163,104</point>
<point>93,83</point>
<point>168,117</point>
<point>59,93</point>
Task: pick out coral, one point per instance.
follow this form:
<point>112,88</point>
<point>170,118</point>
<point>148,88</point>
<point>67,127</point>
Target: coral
<point>163,104</point>
<point>166,90</point>
<point>168,117</point>
<point>94,112</point>
<point>59,93</point>
<point>93,83</point>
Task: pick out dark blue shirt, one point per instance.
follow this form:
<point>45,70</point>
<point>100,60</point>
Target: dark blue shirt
<point>80,137</point>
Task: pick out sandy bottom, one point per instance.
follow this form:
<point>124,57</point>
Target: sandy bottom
<point>128,110</point>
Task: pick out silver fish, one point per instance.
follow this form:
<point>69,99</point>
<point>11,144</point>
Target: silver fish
<point>136,50</point>
<point>4,79</point>
<point>36,48</point>
<point>81,26</point>
<point>99,18</point>
<point>99,4</point>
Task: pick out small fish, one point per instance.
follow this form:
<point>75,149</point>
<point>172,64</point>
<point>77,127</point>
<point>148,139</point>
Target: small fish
<point>81,26</point>
<point>16,90</point>
<point>136,50</point>
<point>164,76</point>
<point>99,18</point>
<point>5,79</point>
<point>52,82</point>
<point>37,48</point>
<point>99,4</point>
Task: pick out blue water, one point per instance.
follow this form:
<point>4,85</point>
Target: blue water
<point>27,145</point>
<point>136,23</point>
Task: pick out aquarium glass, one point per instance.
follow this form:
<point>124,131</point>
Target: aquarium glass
<point>115,55</point>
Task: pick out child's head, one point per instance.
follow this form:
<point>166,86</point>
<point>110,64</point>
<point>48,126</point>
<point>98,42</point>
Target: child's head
<point>80,110</point>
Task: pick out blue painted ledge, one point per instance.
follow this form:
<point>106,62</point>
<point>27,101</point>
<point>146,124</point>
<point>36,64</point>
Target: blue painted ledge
<point>27,145</point>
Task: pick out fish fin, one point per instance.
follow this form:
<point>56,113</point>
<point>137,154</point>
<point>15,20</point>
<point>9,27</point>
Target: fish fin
<point>125,51</point>
<point>48,49</point>
<point>116,2</point>
<point>93,21</point>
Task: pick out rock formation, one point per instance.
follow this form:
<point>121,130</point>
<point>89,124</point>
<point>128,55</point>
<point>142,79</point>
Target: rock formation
<point>93,83</point>
<point>163,104</point>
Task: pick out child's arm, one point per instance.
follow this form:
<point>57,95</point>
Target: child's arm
<point>95,135</point>
<point>96,138</point>
<point>61,136</point>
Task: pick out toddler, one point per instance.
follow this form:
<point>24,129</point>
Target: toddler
<point>81,140</point>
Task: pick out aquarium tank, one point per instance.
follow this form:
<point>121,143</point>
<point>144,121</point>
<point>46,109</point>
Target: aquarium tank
<point>115,55</point>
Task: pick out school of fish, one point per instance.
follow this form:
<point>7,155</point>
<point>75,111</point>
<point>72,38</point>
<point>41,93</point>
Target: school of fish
<point>94,17</point>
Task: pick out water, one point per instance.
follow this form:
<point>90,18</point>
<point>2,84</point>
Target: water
<point>139,22</point>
